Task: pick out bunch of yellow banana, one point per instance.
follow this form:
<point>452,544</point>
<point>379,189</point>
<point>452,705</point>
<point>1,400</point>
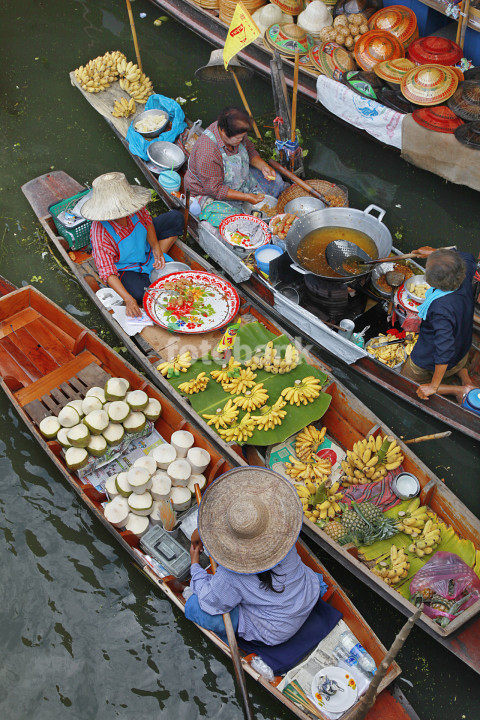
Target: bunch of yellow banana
<point>227,371</point>
<point>397,569</point>
<point>329,507</point>
<point>270,416</point>
<point>99,73</point>
<point>180,363</point>
<point>303,391</point>
<point>410,340</point>
<point>252,399</point>
<point>271,362</point>
<point>308,440</point>
<point>195,385</point>
<point>223,416</point>
<point>135,82</point>
<point>238,385</point>
<point>428,540</point>
<point>124,107</point>
<point>314,469</point>
<point>412,520</point>
<point>390,354</point>
<point>370,460</point>
<point>240,431</point>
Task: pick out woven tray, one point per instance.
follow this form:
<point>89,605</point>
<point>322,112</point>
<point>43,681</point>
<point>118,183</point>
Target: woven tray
<point>337,195</point>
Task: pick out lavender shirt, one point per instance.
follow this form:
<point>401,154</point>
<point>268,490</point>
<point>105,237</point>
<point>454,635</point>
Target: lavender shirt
<point>264,615</point>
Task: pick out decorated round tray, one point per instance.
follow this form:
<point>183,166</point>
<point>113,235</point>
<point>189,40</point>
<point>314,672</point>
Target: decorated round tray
<point>211,303</point>
<point>245,231</point>
<point>405,301</point>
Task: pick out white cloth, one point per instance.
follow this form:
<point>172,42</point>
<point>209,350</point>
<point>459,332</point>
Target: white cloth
<point>381,122</point>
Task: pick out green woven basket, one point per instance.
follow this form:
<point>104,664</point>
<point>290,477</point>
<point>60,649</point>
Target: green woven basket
<point>79,236</point>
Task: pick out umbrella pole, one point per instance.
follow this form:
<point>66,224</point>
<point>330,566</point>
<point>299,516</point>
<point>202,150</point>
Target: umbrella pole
<point>134,34</point>
<point>245,103</point>
<point>293,136</point>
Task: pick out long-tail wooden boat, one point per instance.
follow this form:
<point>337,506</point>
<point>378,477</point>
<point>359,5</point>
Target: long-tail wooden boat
<point>47,358</point>
<point>347,419</point>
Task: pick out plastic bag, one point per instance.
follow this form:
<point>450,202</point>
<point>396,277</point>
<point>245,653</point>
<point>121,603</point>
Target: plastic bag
<point>138,144</point>
<point>190,136</point>
<point>446,585</point>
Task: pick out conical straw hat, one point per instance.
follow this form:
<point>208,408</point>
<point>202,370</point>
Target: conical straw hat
<point>399,20</point>
<point>429,84</point>
<point>214,70</point>
<point>466,101</point>
<point>249,519</point>
<point>376,46</point>
<point>113,198</point>
<point>287,38</point>
<point>291,7</point>
<point>469,134</point>
<point>438,118</point>
<point>393,70</point>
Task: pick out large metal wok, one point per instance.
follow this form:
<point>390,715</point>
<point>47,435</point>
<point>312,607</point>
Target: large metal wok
<point>341,217</point>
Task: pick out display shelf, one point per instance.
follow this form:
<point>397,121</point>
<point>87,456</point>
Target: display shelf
<point>473,20</point>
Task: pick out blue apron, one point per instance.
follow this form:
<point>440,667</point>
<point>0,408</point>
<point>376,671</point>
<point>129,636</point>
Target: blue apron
<point>135,251</point>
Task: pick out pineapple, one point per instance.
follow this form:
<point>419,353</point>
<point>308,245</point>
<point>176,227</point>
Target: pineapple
<point>365,523</point>
<point>335,530</point>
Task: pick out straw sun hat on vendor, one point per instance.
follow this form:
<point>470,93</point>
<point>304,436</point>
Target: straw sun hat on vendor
<point>113,198</point>
<point>249,519</point>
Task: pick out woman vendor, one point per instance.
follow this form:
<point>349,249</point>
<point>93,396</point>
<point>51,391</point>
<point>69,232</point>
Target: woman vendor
<point>225,170</point>
<point>445,336</point>
<point>126,243</point>
<point>249,521</point>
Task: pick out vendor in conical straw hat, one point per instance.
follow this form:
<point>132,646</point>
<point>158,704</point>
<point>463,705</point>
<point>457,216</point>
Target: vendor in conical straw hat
<point>248,522</point>
<point>126,243</point>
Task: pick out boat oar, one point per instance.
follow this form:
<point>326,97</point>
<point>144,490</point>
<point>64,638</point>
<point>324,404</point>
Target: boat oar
<point>368,700</point>
<point>422,438</point>
<point>232,641</point>
<point>245,103</point>
<point>291,176</point>
<point>134,34</point>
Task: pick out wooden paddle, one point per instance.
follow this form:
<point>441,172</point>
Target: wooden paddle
<point>301,183</point>
<point>134,34</point>
<point>434,436</point>
<point>293,135</point>
<point>245,103</point>
<point>232,641</point>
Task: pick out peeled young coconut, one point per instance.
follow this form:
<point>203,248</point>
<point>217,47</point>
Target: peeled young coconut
<point>116,511</point>
<point>138,479</point>
<point>111,488</point>
<point>97,392</point>
<point>89,404</point>
<point>148,462</point>
<point>199,480</point>
<point>114,433</point>
<point>78,436</point>
<point>179,472</point>
<point>97,446</point>
<point>122,484</point>
<point>49,427</point>
<point>153,409</point>
<point>116,388</point>
<point>96,421</point>
<point>118,411</point>
<point>140,504</point>
<point>68,416</point>
<point>164,455</point>
<point>137,524</point>
<point>161,486</point>
<point>62,438</point>
<point>137,399</point>
<point>182,441</point>
<point>198,458</point>
<point>76,458</point>
<point>181,498</point>
<point>77,404</point>
<point>135,422</point>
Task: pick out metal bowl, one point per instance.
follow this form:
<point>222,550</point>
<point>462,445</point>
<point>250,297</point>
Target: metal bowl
<point>303,205</point>
<point>377,273</point>
<point>410,285</point>
<point>166,155</point>
<point>405,486</point>
<point>169,267</point>
<point>269,200</point>
<point>151,113</point>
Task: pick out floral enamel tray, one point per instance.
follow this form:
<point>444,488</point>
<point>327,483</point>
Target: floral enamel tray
<point>245,231</point>
<point>405,301</point>
<point>191,301</point>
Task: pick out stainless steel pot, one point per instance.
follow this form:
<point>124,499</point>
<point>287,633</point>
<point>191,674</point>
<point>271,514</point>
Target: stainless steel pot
<point>341,217</point>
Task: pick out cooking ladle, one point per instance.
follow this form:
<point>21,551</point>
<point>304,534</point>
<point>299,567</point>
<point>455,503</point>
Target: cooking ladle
<point>338,252</point>
<point>394,279</point>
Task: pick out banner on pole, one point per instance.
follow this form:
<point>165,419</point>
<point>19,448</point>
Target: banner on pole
<point>242,31</point>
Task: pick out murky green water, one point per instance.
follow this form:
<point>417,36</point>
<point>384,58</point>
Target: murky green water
<point>83,634</point>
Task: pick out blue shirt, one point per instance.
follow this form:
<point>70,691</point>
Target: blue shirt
<point>264,615</point>
<point>446,333</point>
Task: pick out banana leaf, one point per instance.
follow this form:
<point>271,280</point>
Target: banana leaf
<point>250,338</point>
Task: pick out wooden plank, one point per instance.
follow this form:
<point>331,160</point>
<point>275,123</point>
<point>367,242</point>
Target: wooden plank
<point>43,191</point>
<point>47,336</point>
<point>21,359</point>
<point>69,391</point>
<point>8,366</point>
<point>41,358</point>
<point>64,338</point>
<point>36,411</point>
<point>52,406</point>
<point>59,396</point>
<point>93,375</point>
<point>53,379</point>
<point>17,321</point>
<point>79,387</point>
<point>14,303</point>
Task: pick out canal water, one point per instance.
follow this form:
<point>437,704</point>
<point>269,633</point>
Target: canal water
<point>83,634</point>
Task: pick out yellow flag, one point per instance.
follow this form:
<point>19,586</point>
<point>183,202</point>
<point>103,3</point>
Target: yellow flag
<point>242,32</point>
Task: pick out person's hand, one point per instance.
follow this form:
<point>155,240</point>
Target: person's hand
<point>159,259</point>
<point>196,540</point>
<point>268,172</point>
<point>194,553</point>
<point>424,391</point>
<point>423,252</point>
<point>131,308</point>
<point>254,199</point>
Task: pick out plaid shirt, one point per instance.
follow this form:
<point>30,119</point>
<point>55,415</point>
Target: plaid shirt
<point>205,168</point>
<point>105,250</point>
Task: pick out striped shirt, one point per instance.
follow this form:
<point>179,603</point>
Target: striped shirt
<point>205,168</point>
<point>105,250</point>
<point>264,615</point>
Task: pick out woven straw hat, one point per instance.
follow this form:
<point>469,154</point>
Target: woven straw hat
<point>399,20</point>
<point>466,101</point>
<point>429,84</point>
<point>113,198</point>
<point>214,70</point>
<point>469,134</point>
<point>376,46</point>
<point>392,71</point>
<point>249,519</point>
<point>438,118</point>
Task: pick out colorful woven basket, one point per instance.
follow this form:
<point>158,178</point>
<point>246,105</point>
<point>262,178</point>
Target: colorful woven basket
<point>392,71</point>
<point>337,195</point>
<point>398,20</point>
<point>331,59</point>
<point>376,46</point>
<point>429,84</point>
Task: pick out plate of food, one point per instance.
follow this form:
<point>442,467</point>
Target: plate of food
<point>334,689</point>
<point>244,232</point>
<point>416,287</point>
<point>191,301</point>
<point>281,224</point>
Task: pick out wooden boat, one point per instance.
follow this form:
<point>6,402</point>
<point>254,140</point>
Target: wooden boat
<point>47,357</point>
<point>206,23</point>
<point>347,419</point>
